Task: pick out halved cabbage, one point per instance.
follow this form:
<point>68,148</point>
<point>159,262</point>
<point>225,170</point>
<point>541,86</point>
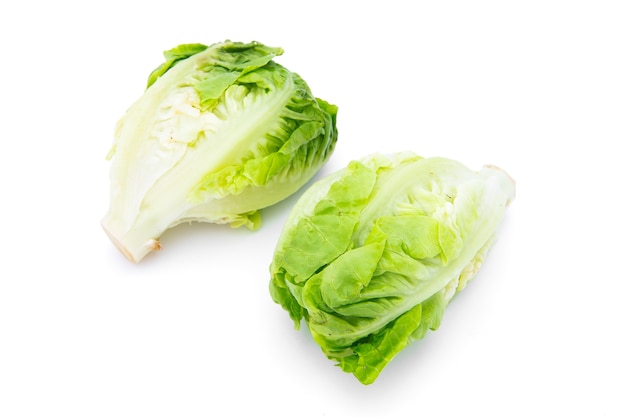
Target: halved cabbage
<point>220,132</point>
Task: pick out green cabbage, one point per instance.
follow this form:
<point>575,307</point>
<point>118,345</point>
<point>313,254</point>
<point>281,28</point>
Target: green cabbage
<point>221,132</point>
<point>371,255</point>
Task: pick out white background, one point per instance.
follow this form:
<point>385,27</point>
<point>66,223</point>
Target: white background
<point>535,87</point>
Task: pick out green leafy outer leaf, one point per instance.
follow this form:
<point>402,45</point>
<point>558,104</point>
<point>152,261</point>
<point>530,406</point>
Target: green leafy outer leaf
<point>173,56</point>
<point>371,255</point>
<point>373,353</point>
<point>221,132</point>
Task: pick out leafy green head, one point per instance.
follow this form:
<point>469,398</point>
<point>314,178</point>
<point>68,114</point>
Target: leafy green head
<point>221,132</point>
<point>371,255</point>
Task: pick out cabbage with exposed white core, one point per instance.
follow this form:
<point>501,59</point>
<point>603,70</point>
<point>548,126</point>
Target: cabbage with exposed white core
<point>220,132</point>
<point>371,255</point>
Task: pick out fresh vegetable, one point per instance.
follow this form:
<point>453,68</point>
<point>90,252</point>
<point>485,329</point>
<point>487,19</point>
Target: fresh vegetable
<point>371,255</point>
<point>221,132</point>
